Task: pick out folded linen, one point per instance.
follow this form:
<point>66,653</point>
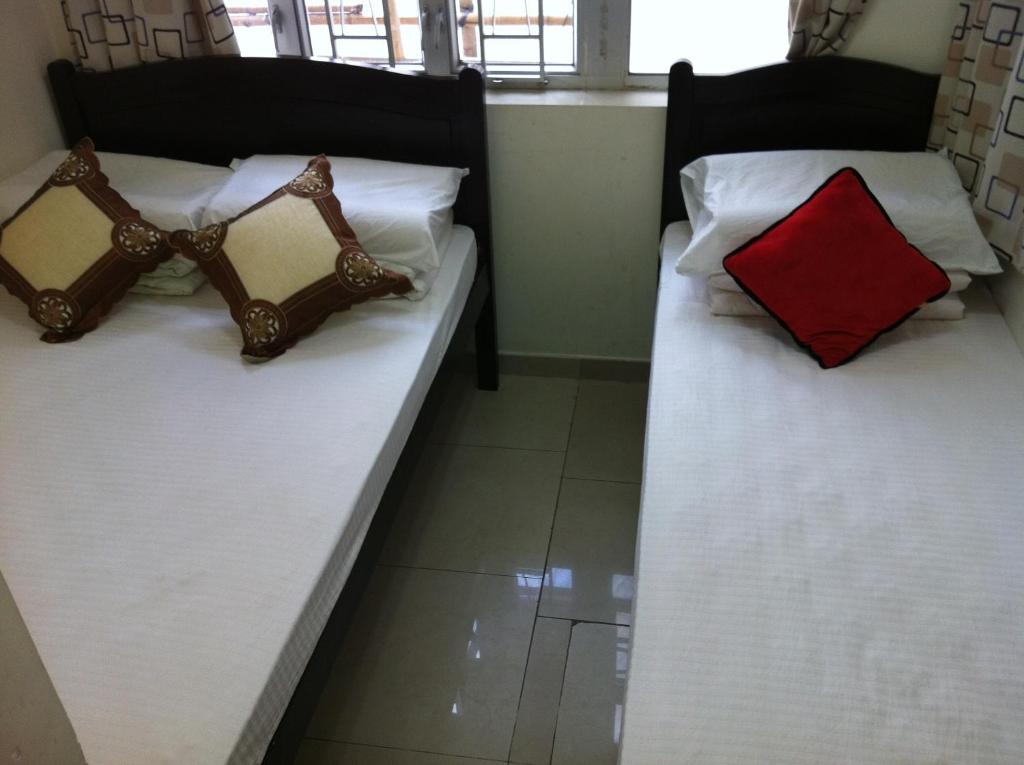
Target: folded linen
<point>729,303</point>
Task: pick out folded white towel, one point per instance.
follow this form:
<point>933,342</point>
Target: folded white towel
<point>958,279</point>
<point>729,303</point>
<point>175,286</point>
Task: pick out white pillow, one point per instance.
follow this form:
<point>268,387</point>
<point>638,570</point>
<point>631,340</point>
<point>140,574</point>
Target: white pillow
<point>733,197</point>
<point>168,193</point>
<point>401,213</point>
<point>959,280</point>
<point>729,303</point>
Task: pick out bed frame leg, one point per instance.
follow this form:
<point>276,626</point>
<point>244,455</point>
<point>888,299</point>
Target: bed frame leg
<point>487,347</point>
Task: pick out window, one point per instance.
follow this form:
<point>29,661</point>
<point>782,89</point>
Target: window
<point>385,32</point>
<point>562,43</point>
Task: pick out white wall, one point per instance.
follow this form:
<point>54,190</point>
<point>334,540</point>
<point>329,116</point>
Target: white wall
<point>575,193</point>
<point>30,37</point>
<point>1008,289</point>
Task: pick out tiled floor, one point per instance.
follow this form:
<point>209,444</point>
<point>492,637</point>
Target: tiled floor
<point>495,628</point>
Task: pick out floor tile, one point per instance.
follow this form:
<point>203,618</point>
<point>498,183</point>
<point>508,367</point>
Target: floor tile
<point>332,753</point>
<point>590,715</point>
<point>434,662</point>
<point>540,366</point>
<point>472,508</point>
<point>538,707</point>
<point>612,369</point>
<point>590,564</point>
<point>526,413</point>
<point>608,431</point>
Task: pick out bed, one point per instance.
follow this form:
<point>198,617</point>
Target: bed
<point>830,563</point>
<point>186,536</point>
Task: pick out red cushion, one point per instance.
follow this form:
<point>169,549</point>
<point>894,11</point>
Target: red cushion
<point>836,272</point>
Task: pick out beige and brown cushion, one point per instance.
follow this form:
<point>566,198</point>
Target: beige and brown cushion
<point>288,262</point>
<point>75,247</point>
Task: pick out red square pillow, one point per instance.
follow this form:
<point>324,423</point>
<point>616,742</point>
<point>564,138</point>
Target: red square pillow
<point>836,273</point>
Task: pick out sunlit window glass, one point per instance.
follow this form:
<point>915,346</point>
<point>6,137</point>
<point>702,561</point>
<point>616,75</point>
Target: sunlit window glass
<point>715,37</point>
<point>251,21</point>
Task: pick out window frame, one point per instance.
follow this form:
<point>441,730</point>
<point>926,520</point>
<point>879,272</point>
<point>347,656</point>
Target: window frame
<point>602,46</point>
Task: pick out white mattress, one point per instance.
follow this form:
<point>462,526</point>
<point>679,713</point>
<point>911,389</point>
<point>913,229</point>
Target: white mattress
<point>830,563</point>
<point>176,524</point>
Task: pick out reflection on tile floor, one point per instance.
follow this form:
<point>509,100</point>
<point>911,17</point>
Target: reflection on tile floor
<point>590,564</point>
<point>590,716</point>
<point>493,629</point>
<point>435,664</point>
<point>542,691</point>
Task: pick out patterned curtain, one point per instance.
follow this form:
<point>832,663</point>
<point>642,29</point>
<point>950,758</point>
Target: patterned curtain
<point>112,34</point>
<point>979,117</point>
<point>820,26</point>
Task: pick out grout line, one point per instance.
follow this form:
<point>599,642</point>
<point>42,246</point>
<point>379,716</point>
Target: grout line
<point>561,693</point>
<point>600,480</point>
<point>585,621</point>
<point>568,437</point>
<point>522,685</point>
<point>547,555</point>
<point>495,446</point>
<point>403,749</point>
<point>461,571</point>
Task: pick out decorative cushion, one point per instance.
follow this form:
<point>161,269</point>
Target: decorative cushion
<point>836,273</point>
<point>288,262</point>
<point>76,247</point>
<point>168,193</point>
<point>402,213</point>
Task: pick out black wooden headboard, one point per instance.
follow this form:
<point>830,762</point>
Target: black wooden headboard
<point>214,109</point>
<point>830,102</point>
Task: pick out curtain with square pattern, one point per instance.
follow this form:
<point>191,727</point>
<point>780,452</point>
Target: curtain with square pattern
<point>112,34</point>
<point>818,27</point>
<point>979,117</point>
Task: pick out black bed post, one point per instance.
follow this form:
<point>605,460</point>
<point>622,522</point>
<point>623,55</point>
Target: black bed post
<point>71,122</point>
<point>475,207</point>
<point>487,345</point>
<point>677,149</point>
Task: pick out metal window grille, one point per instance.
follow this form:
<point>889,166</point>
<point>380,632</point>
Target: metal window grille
<point>490,30</point>
<point>338,30</point>
<point>565,43</point>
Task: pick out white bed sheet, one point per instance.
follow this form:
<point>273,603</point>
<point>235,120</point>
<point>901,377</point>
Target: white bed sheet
<point>830,563</point>
<point>176,524</point>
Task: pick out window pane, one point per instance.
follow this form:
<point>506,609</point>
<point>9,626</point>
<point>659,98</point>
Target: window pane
<point>508,35</point>
<point>716,37</point>
<point>360,31</point>
<point>251,21</point>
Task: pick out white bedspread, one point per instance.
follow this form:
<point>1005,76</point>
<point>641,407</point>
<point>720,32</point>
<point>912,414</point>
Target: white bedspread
<point>830,563</point>
<point>176,524</point>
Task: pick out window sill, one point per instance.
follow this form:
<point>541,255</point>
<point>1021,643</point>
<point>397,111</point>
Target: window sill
<point>619,98</point>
